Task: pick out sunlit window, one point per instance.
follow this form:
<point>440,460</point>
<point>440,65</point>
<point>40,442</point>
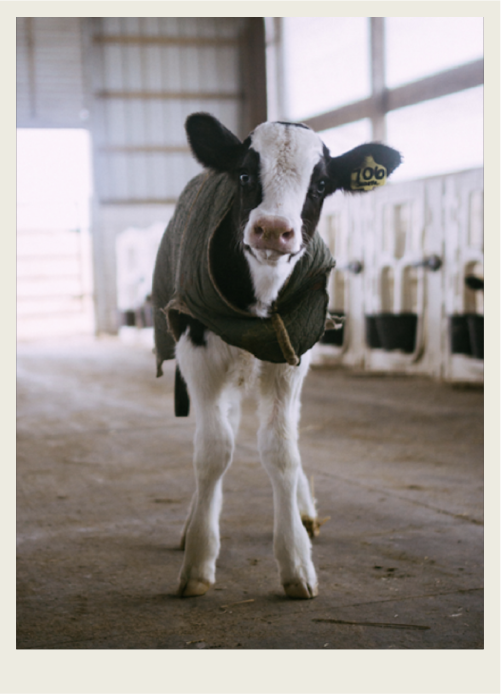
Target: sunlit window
<point>440,135</point>
<point>53,178</point>
<point>346,137</point>
<point>326,63</point>
<point>54,274</point>
<point>420,46</point>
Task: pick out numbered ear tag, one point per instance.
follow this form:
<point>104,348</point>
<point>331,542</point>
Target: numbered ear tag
<point>368,176</point>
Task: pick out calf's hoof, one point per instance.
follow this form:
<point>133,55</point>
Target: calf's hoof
<point>313,525</point>
<point>192,588</point>
<point>300,591</point>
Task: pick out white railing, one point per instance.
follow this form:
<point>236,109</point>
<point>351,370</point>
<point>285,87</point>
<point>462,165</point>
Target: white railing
<point>402,254</point>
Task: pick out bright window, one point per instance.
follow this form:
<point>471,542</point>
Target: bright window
<point>53,178</point>
<point>340,140</point>
<point>438,136</point>
<point>54,273</point>
<point>420,46</point>
<point>326,63</point>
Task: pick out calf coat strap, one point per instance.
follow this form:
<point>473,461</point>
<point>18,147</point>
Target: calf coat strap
<point>284,340</point>
<point>183,283</point>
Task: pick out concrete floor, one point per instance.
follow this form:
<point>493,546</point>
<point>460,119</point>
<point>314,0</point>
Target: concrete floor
<point>105,478</point>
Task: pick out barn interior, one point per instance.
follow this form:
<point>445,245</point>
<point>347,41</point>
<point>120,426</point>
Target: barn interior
<point>392,421</point>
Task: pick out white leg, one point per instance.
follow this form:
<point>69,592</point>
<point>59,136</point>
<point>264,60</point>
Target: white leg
<point>280,389</point>
<point>305,499</point>
<point>233,401</point>
<point>308,507</point>
<point>205,370</point>
<point>187,522</point>
<point>234,411</point>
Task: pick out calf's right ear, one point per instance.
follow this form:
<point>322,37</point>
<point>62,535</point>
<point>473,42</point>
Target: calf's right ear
<point>363,168</point>
<point>213,145</point>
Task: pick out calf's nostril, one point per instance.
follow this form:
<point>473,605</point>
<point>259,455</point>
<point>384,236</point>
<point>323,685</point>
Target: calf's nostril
<point>272,233</point>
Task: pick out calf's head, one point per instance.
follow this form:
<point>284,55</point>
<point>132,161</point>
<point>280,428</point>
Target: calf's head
<point>283,172</point>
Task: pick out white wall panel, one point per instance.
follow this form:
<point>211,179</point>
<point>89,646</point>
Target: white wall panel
<point>133,81</point>
<point>149,74</point>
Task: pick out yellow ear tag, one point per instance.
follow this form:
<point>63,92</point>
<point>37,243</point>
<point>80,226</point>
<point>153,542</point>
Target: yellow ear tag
<point>368,176</point>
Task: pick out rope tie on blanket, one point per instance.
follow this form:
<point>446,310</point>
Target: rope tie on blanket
<point>283,340</point>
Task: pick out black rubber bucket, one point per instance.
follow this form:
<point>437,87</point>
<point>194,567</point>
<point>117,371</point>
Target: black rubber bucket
<point>459,335</point>
<point>128,318</point>
<point>397,331</point>
<point>476,329</point>
<point>371,333</point>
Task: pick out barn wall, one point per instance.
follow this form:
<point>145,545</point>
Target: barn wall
<point>148,75</point>
<point>132,82</point>
<point>54,274</point>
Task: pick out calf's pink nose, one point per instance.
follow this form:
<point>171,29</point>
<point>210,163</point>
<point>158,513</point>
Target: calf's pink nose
<point>272,234</point>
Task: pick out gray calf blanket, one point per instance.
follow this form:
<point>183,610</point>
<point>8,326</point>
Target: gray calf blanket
<point>183,283</point>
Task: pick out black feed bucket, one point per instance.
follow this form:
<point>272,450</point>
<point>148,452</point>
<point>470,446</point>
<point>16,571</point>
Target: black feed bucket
<point>397,331</point>
<point>459,335</point>
<point>391,331</point>
<point>128,318</point>
<point>371,333</point>
<point>334,337</point>
<point>476,329</point>
<point>466,333</point>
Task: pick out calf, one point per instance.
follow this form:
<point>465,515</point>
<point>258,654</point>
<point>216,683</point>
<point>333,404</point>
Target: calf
<point>239,296</point>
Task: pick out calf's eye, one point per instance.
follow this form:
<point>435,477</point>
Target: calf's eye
<point>321,187</point>
<point>244,179</point>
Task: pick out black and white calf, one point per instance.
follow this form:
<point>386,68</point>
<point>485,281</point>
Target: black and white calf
<point>278,179</point>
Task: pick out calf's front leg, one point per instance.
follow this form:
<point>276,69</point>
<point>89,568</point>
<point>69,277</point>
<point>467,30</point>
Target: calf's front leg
<point>213,451</point>
<point>280,390</point>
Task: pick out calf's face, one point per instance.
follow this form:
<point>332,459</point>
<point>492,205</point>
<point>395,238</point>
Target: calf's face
<point>283,172</point>
<point>284,158</point>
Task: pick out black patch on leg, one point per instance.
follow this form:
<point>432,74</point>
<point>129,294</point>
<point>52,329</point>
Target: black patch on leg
<point>181,397</point>
<point>196,332</point>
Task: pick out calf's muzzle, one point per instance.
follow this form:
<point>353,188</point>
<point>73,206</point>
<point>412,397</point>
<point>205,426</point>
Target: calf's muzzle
<point>273,233</point>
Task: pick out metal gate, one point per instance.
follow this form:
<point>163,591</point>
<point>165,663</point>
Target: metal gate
<point>464,258</point>
<point>403,254</point>
<point>54,279</point>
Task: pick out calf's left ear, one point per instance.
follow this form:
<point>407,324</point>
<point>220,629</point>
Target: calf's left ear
<point>363,168</point>
<point>212,143</point>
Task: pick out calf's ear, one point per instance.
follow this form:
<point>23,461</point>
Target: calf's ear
<point>363,168</point>
<point>213,145</point>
